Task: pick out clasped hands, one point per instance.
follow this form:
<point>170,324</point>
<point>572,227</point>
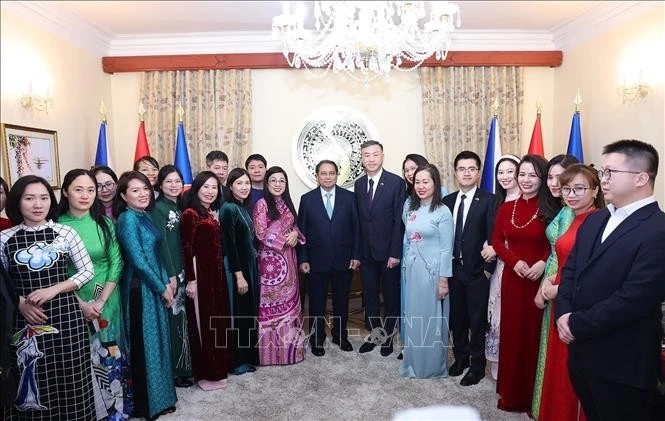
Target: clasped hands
<point>523,270</point>
<point>292,239</point>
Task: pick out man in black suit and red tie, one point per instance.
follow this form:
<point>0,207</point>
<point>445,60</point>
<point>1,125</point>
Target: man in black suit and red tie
<point>328,218</point>
<point>380,197</point>
<point>608,306</point>
<point>473,213</point>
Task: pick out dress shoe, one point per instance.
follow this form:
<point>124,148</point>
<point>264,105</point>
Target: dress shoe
<point>366,347</point>
<point>387,349</point>
<point>344,345</point>
<point>318,351</point>
<point>471,377</point>
<point>169,410</point>
<point>182,382</point>
<point>458,367</point>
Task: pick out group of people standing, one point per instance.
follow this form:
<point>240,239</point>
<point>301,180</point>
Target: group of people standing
<point>142,285</point>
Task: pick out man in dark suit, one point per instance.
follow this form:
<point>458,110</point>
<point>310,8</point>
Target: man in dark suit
<point>328,218</point>
<point>218,163</point>
<point>380,199</point>
<point>473,213</point>
<point>608,303</point>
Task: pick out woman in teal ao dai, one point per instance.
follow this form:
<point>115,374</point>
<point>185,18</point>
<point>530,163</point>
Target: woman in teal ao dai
<point>428,240</point>
<point>99,299</point>
<point>146,298</point>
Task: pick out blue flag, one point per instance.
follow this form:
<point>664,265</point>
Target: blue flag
<point>492,156</point>
<point>103,157</point>
<point>182,157</point>
<point>575,139</point>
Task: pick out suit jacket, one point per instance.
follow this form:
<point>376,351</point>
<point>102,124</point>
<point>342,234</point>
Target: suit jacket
<point>381,227</point>
<point>614,291</point>
<point>331,243</point>
<point>478,228</point>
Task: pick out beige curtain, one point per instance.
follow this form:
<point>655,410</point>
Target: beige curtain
<point>218,114</point>
<point>457,109</point>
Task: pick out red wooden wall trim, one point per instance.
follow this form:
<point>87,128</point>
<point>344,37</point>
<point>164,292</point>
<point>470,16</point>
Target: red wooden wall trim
<point>277,61</point>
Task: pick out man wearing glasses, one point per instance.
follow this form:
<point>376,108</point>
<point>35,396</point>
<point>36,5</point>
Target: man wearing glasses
<point>473,213</point>
<point>612,286</point>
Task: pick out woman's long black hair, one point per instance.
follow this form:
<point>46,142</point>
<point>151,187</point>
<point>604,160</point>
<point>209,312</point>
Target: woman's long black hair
<point>417,159</point>
<point>235,174</point>
<point>273,213</point>
<point>13,205</point>
<point>499,192</point>
<point>96,210</point>
<point>436,199</point>
<point>192,197</point>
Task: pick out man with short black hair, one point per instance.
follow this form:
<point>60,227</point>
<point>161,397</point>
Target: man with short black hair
<point>328,218</point>
<point>218,163</point>
<point>608,306</point>
<point>473,213</point>
<point>380,198</point>
<point>256,165</point>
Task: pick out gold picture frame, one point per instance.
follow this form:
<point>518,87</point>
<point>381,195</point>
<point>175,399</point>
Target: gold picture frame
<point>26,150</point>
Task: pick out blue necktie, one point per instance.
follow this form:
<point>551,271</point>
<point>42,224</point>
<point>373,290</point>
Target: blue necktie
<point>329,208</point>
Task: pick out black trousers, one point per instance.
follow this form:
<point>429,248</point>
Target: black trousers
<point>605,400</point>
<point>468,317</point>
<point>318,297</point>
<point>376,278</point>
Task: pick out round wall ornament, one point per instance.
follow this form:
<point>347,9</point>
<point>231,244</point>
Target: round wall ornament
<point>333,133</point>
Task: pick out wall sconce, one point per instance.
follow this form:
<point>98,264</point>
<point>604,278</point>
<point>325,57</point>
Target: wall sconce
<point>631,93</point>
<point>35,101</point>
<point>633,87</point>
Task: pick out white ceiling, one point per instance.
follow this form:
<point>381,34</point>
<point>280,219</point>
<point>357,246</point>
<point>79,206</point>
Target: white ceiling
<point>153,17</point>
<point>177,27</point>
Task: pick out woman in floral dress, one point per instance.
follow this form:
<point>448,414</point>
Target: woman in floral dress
<point>281,339</point>
<point>100,299</point>
<point>428,242</point>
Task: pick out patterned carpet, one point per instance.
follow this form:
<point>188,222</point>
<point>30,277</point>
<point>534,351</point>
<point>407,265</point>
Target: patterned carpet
<point>338,386</point>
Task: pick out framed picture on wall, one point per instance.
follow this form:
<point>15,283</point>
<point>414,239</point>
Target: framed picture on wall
<point>27,151</point>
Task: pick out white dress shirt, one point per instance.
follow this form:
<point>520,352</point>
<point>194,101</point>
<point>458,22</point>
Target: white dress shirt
<point>332,197</point>
<point>617,216</point>
<point>376,179</point>
<point>467,204</point>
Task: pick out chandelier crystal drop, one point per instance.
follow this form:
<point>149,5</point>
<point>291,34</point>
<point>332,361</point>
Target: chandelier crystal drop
<point>367,39</point>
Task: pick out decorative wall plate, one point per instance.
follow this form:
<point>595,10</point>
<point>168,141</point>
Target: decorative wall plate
<point>333,133</point>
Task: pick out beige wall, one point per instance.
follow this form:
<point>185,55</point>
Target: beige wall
<point>283,100</point>
<point>124,118</point>
<point>77,86</point>
<point>538,82</point>
<point>596,68</point>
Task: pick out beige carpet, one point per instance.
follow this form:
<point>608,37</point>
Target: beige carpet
<point>338,386</point>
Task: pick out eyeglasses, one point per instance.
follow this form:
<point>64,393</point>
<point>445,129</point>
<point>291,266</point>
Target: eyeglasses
<point>577,191</point>
<point>272,181</point>
<point>108,186</point>
<point>608,172</point>
<point>463,169</point>
<point>173,182</point>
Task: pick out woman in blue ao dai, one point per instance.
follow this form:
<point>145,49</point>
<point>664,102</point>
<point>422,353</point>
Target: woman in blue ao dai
<point>428,240</point>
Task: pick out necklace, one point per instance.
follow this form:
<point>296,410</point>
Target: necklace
<point>512,218</point>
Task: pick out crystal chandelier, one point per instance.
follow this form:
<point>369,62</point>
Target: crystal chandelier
<point>367,39</point>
